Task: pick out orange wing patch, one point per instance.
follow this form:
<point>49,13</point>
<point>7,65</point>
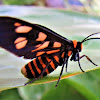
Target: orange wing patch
<point>23,29</point>
<point>40,53</point>
<point>17,24</point>
<point>57,44</point>
<point>44,45</point>
<point>52,51</point>
<point>20,42</point>
<point>21,45</point>
<point>41,37</point>
<point>38,45</point>
<point>20,39</point>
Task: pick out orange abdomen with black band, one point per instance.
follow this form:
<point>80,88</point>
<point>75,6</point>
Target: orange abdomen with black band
<point>34,68</point>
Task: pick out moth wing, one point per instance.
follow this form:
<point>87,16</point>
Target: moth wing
<point>25,39</point>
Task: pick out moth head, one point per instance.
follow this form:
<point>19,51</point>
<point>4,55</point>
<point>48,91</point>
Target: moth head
<point>77,46</point>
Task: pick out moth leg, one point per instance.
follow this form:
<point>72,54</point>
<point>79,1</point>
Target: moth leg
<point>88,59</point>
<point>79,62</point>
<point>66,64</point>
<point>60,75</point>
<point>39,75</point>
<point>65,60</point>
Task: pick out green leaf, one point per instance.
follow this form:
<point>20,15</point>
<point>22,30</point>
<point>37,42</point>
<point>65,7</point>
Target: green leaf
<point>33,92</point>
<point>17,2</point>
<point>11,94</point>
<point>90,81</point>
<point>84,86</point>
<point>71,25</point>
<point>64,90</point>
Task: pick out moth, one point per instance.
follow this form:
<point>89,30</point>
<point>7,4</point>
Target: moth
<point>48,48</point>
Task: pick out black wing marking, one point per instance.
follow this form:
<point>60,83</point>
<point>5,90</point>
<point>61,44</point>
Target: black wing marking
<point>10,36</point>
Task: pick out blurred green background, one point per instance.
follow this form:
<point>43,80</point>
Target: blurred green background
<point>74,19</point>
